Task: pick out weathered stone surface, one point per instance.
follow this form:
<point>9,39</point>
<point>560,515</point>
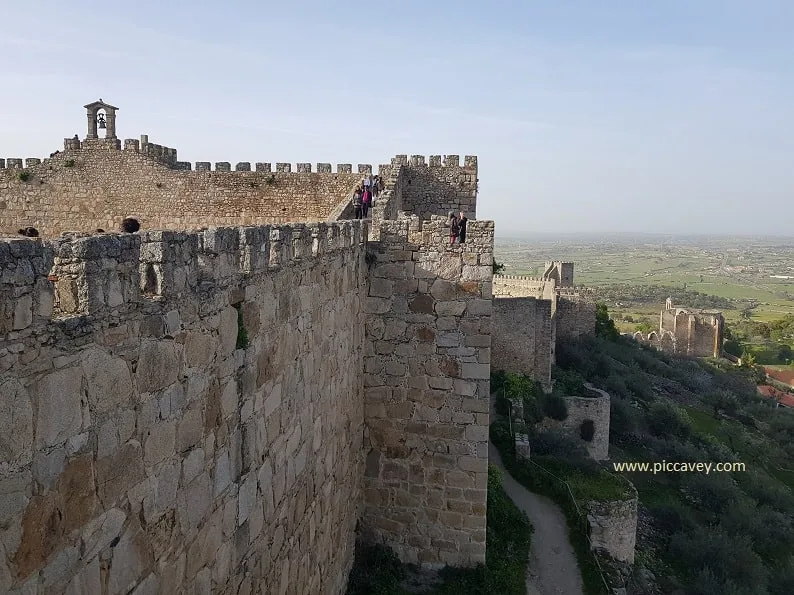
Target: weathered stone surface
<point>101,532</point>
<point>108,380</point>
<point>613,527</point>
<point>199,349</point>
<point>157,366</point>
<point>228,330</point>
<point>88,581</point>
<point>16,423</point>
<point>225,469</point>
<point>78,496</point>
<point>58,399</point>
<point>131,559</point>
<point>414,400</point>
<point>119,472</point>
<point>42,531</point>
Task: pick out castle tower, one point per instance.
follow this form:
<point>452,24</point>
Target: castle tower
<point>561,272</point>
<point>94,118</point>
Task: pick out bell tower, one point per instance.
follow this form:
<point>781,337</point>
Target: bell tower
<point>101,116</point>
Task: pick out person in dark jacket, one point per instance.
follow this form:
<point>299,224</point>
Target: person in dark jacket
<point>357,204</point>
<point>454,228</point>
<point>462,221</point>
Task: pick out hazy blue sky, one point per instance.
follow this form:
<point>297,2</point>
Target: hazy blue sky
<point>671,116</point>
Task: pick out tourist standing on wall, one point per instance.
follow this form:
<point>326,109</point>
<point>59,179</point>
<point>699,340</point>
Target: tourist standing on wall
<point>357,204</point>
<point>462,227</point>
<point>454,228</point>
<point>366,200</point>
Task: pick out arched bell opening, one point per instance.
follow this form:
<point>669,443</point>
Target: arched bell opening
<point>101,117</point>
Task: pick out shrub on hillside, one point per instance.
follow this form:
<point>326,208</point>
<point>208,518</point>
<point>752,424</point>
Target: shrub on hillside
<point>766,491</point>
<point>672,449</point>
<point>727,557</point>
<point>533,412</point>
<point>568,383</point>
<point>781,582</point>
<point>772,532</point>
<point>672,517</point>
<point>554,407</point>
<point>707,582</point>
<point>637,383</point>
<point>622,417</point>
<point>556,443</point>
<point>616,386</point>
<point>713,493</point>
<point>665,420</point>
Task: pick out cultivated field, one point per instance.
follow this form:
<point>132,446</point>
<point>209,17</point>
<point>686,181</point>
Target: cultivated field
<point>744,277</point>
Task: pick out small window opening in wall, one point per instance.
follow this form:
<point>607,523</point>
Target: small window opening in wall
<point>242,332</point>
<point>587,430</point>
<point>150,280</point>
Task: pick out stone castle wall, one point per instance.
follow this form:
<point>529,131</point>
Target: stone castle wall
<point>596,408</point>
<point>613,528</point>
<point>437,187</point>
<point>144,447</point>
<point>531,314</point>
<point>524,337</point>
<point>520,286</point>
<point>575,315</point>
<point>426,378</point>
<point>96,185</point>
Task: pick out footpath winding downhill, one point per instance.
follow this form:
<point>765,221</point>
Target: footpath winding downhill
<point>552,566</point>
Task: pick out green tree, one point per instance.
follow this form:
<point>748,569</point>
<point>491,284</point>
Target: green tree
<point>604,325</point>
<point>498,267</point>
<point>784,354</point>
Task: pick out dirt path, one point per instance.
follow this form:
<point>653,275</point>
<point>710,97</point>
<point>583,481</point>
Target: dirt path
<point>553,569</point>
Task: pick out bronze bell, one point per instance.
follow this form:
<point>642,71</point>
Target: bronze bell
<point>101,121</point>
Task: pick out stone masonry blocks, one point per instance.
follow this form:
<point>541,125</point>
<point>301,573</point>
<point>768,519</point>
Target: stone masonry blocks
<point>148,451</point>
<point>426,395</point>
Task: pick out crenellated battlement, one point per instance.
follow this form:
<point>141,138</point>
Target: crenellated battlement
<point>278,167</point>
<point>168,156</point>
<point>469,161</point>
<point>520,279</point>
<point>432,235</point>
<point>110,275</point>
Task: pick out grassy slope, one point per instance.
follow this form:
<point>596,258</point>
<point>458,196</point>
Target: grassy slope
<point>749,514</point>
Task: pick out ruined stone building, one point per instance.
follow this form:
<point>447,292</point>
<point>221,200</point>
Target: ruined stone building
<point>532,313</point>
<point>686,331</point>
<point>214,404</point>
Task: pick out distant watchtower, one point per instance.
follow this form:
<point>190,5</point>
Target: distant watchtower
<point>561,272</point>
<point>101,116</point>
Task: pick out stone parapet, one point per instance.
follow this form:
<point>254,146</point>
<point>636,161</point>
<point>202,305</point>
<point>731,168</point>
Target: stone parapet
<point>192,420</point>
<point>613,528</point>
<point>524,337</point>
<point>426,379</point>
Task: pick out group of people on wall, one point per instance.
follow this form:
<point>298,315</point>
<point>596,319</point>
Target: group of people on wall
<point>371,186</point>
<point>365,194</point>
<point>457,227</point>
